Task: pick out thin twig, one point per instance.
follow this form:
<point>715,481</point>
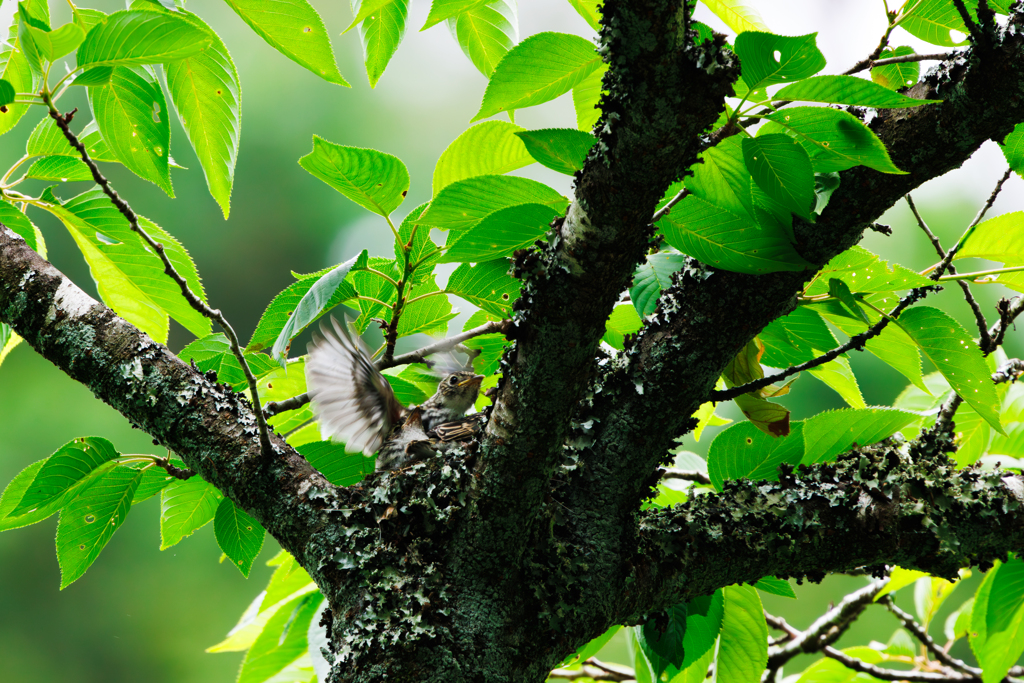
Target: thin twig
<point>174,471</point>
<point>660,213</point>
<point>921,634</point>
<point>687,475</point>
<point>979,316</point>
<point>941,266</point>
<point>892,674</point>
<point>595,670</point>
<point>418,356</point>
<point>1010,371</point>
<point>972,27</point>
<point>198,304</point>
<point>902,59</point>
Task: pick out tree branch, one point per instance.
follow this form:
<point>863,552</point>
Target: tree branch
<point>921,634</point>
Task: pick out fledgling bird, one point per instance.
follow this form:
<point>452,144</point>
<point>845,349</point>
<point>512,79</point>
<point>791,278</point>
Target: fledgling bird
<point>354,402</point>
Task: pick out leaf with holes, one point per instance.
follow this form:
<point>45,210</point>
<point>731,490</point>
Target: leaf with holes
<point>798,57</point>
<point>487,285</point>
<point>896,76</point>
<point>745,452</point>
<point>374,180</point>
<point>486,33</point>
<point>537,70</point>
<point>487,148</point>
<point>933,20</point>
<point>87,523</point>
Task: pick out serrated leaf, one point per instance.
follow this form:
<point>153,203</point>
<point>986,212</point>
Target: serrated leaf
<point>99,75</point>
<point>374,180</point>
<point>586,97</point>
<point>654,275</point>
<point>722,239</point>
<point>997,620</point>
<point>744,451</point>
<point>131,278</point>
<point>499,234</point>
<point>774,586</point>
<point>465,203</point>
<point>537,70</point>
<point>590,649</point>
<point>487,285</point>
<point>446,9</point>
<point>721,178</point>
<point>425,311</point>
<point>60,169</point>
<point>339,467</point>
<point>15,491</point>
<point>423,252</point>
<point>560,149</point>
<point>1012,146</point>
<point>238,535</point>
<point>782,168</point>
<point>6,93</point>
<point>18,73</point>
<point>590,10</point>
<point>827,670</point>
<point>847,90</point>
<point>896,76</point>
<point>486,33</point>
<point>864,272</point>
<point>186,506</point>
<point>277,313</point>
<point>206,93</point>
<point>835,140</point>
<point>87,18</point>
<point>17,221</point>
<point>663,649</point>
<point>743,648</point>
<point>136,37</point>
<point>312,304</point>
<point>932,21</point>
<point>487,148</point>
<point>213,352</point>
<point>282,641</point>
<point>132,117</point>
<point>622,321</point>
<point>841,291</point>
<point>294,29</point>
<point>154,480</point>
<point>47,139</point>
<point>946,344</point>
<point>56,43</point>
<point>828,434</point>
<point>68,468</point>
<point>799,57</point>
<point>998,239</point>
<point>737,15</point>
<point>87,523</point>
<point>380,34</point>
<point>703,623</point>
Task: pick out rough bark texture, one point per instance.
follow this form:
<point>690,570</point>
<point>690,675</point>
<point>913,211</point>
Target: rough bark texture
<point>493,563</point>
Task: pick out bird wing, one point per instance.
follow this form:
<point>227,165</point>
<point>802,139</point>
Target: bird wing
<point>349,396</point>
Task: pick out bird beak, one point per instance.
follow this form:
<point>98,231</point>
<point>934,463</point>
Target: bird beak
<point>474,379</point>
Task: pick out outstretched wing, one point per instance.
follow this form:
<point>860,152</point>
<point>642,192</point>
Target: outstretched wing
<point>349,396</point>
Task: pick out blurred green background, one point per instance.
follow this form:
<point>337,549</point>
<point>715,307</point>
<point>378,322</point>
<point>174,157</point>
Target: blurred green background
<point>144,615</point>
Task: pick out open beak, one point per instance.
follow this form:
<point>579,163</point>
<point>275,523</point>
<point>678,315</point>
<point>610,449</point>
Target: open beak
<point>475,379</point>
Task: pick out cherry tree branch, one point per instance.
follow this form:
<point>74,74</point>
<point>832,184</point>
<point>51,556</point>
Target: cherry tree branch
<point>921,634</point>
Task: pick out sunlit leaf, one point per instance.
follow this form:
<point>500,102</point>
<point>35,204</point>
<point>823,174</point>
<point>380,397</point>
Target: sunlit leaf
<point>499,234</point>
<point>832,432</point>
<point>486,33</point>
<point>835,140</point>
<point>743,648</point>
<point>186,506</point>
<point>560,149</point>
<point>744,451</point>
<point>465,203</point>
<point>380,34</point>
<point>374,180</point>
<point>847,90</point>
<point>136,37</point>
<point>487,148</point>
<point>238,535</point>
<point>896,76</point>
<point>798,57</point>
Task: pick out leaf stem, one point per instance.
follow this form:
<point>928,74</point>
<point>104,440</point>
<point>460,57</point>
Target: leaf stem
<point>981,273</point>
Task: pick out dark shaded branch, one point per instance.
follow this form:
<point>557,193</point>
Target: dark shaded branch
<point>594,670</point>
<point>62,121</point>
<point>884,674</point>
<point>1010,371</point>
<point>921,634</point>
<point>687,475</point>
<point>904,59</point>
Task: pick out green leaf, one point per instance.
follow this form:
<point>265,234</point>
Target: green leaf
<point>340,468</point>
<point>68,468</point>
<point>946,344</point>
<point>60,169</point>
<point>841,291</point>
<point>486,33</point>
<point>374,180</point>
<point>743,648</point>
<point>799,58</point>
<point>721,178</point>
<point>313,303</point>
<point>704,617</point>
<point>487,285</point>
<point>423,252</point>
<point>186,506</point>
<point>499,234</point>
<point>132,117</point>
<point>6,93</point>
<point>294,29</point>
<point>865,272</point>
<point>131,278</point>
<point>154,480</point>
<point>213,352</point>
<point>737,15</point>
<point>622,321</point>
<point>744,451</point>
<point>19,223</point>
<point>276,316</point>
<point>238,535</point>
<point>48,140</point>
<point>429,314</point>
<point>380,35</point>
<point>664,649</point>
<point>206,93</point>
<point>654,275</point>
<point>56,43</point>
<point>827,670</point>
<point>896,76</point>
<point>590,649</point>
<point>465,203</point>
<point>932,21</point>
<point>835,140</point>
<point>18,73</point>
<point>446,9</point>
<point>99,75</point>
<point>537,70</point>
<point>282,641</point>
<point>774,586</point>
<point>560,149</point>
<point>722,239</point>
<point>830,433</point>
<point>1012,146</point>
<point>997,239</point>
<point>87,18</point>
<point>782,168</point>
<point>586,97</point>
<point>88,522</point>
<point>590,10</point>
<point>281,383</point>
<point>847,90</point>
<point>997,621</point>
<point>16,489</point>
<point>899,578</point>
<point>26,40</point>
<point>488,148</point>
<point>136,37</point>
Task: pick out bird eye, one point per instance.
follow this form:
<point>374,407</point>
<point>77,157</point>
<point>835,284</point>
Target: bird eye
<point>453,380</point>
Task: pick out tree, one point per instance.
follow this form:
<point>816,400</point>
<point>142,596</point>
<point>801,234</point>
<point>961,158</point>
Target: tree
<point>713,232</point>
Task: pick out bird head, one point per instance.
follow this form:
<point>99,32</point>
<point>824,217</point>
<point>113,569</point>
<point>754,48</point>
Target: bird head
<point>458,390</point>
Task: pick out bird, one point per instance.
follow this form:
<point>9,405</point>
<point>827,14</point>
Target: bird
<point>354,402</point>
